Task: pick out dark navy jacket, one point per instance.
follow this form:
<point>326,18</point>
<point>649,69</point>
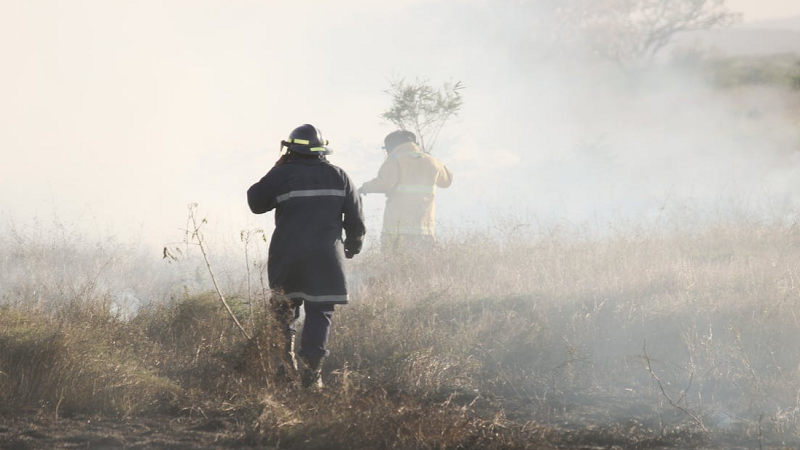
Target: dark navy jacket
<point>313,201</point>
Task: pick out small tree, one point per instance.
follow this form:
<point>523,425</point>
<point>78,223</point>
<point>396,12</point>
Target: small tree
<point>423,109</point>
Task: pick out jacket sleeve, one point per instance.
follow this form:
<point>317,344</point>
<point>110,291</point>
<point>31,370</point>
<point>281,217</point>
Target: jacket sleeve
<point>444,178</point>
<point>353,221</point>
<point>263,196</point>
<point>388,176</point>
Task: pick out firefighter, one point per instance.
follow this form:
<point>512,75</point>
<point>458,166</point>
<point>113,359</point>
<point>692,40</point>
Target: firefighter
<point>313,202</point>
<point>408,178</point>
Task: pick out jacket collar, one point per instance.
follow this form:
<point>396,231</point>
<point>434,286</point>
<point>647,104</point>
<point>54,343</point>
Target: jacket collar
<point>308,160</point>
<point>407,147</point>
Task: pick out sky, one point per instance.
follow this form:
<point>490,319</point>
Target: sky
<point>118,114</point>
<point>754,10</point>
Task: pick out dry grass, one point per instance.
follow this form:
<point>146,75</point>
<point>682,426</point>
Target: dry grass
<point>525,341</point>
<point>74,364</point>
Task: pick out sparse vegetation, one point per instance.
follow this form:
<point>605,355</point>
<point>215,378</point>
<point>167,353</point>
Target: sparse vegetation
<point>776,70</point>
<point>531,340</point>
<point>423,109</point>
<point>630,33</point>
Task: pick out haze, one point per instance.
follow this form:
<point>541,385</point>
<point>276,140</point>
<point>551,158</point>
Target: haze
<point>118,114</point>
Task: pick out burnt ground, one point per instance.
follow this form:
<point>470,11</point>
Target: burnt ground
<point>157,432</point>
<point>179,433</point>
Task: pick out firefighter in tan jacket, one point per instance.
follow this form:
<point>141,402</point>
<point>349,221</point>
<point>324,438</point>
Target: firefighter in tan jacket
<point>409,178</point>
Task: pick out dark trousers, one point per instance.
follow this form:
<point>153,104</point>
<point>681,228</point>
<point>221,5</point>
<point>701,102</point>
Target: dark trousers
<point>317,327</point>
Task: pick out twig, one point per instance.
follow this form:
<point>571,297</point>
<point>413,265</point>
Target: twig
<point>196,234</point>
<point>61,399</point>
<point>505,377</point>
<point>664,393</point>
<point>245,237</point>
<point>566,363</point>
<point>745,358</point>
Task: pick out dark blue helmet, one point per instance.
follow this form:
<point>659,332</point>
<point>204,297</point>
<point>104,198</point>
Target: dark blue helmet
<point>398,137</point>
<point>307,140</point>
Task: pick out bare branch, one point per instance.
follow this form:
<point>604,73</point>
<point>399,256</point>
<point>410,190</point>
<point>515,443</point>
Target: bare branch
<point>423,109</point>
<point>196,235</point>
<point>632,32</point>
<point>672,403</point>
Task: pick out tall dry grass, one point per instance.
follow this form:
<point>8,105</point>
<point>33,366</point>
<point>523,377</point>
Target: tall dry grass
<point>524,340</point>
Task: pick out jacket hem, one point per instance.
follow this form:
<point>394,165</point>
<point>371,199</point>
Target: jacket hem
<point>332,299</point>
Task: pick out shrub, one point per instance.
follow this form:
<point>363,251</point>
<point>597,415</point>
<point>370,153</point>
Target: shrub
<point>74,367</point>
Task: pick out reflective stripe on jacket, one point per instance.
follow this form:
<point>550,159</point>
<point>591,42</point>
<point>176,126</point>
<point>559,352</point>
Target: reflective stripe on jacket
<point>409,179</point>
<point>314,202</point>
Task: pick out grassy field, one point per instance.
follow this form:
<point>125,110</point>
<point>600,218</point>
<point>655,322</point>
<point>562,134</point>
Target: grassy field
<point>641,338</point>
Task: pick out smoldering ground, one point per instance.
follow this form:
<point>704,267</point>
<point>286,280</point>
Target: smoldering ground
<point>656,338</point>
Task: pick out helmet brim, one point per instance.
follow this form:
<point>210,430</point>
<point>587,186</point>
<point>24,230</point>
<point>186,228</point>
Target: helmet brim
<point>308,150</point>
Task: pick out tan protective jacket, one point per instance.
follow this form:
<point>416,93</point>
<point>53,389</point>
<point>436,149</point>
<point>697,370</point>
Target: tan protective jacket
<point>409,178</point>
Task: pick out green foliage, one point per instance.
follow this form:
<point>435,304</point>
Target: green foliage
<point>423,109</point>
<point>776,70</point>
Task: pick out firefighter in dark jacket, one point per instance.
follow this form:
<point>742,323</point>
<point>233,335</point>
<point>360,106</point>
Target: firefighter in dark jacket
<point>313,202</point>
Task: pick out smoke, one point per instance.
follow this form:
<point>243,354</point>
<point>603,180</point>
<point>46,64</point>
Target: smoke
<point>553,132</point>
<point>121,115</point>
<point>117,116</point>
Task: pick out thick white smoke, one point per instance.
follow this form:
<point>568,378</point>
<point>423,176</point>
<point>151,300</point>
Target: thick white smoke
<point>119,116</point>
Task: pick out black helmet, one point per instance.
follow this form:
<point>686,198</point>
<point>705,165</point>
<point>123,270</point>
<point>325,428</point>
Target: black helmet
<point>398,137</point>
<point>307,140</point>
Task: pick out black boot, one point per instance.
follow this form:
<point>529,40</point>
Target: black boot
<point>312,372</point>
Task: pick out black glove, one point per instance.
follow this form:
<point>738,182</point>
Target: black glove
<point>352,248</point>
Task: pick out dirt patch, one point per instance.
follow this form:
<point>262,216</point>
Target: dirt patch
<point>159,432</point>
<point>184,433</point>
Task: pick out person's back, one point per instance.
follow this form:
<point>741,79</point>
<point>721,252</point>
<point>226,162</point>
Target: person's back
<point>314,202</point>
<point>309,196</point>
<point>409,179</point>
